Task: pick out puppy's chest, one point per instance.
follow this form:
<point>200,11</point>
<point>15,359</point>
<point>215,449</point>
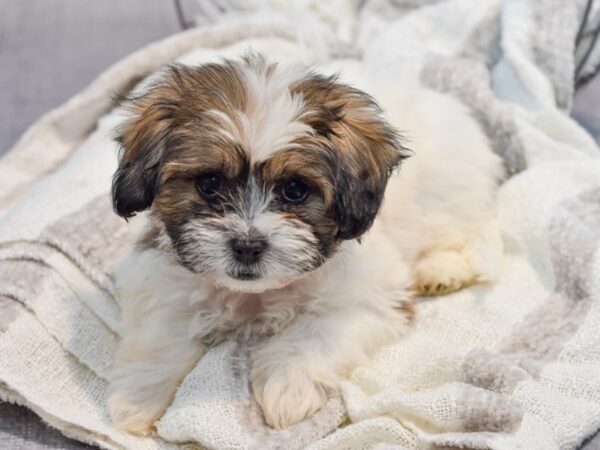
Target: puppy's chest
<point>247,315</point>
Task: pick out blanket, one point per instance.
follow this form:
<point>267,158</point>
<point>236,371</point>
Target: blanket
<point>513,364</point>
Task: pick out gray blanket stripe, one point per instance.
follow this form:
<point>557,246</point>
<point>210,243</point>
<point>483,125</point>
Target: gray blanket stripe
<point>574,234</point>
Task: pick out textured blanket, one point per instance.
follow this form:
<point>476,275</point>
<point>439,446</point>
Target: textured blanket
<point>515,364</point>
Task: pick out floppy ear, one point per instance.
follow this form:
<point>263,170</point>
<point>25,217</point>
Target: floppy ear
<point>369,149</point>
<point>143,139</point>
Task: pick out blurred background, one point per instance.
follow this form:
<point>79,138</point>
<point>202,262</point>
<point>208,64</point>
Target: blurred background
<point>51,49</point>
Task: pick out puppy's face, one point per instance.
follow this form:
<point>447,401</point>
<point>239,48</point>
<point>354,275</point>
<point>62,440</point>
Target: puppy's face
<point>255,174</point>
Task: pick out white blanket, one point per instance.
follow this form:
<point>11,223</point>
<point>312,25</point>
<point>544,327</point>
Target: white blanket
<point>511,365</point>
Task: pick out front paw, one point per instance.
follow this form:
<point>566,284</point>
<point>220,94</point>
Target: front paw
<point>134,407</point>
<point>130,416</point>
<point>287,395</point>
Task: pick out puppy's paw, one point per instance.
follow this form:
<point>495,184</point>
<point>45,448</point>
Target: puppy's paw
<point>286,396</point>
<point>134,407</point>
<point>130,416</point>
<point>442,272</point>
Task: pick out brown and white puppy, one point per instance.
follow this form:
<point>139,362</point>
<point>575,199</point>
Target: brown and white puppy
<point>259,182</point>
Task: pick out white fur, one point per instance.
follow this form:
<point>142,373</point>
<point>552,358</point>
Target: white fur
<point>287,249</point>
<point>437,228</point>
<point>269,123</point>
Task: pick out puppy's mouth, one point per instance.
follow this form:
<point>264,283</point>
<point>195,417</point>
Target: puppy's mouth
<point>244,274</point>
<point>251,280</point>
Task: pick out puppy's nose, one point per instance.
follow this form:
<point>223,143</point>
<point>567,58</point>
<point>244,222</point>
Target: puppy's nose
<point>248,251</point>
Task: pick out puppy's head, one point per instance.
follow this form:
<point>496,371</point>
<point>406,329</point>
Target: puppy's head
<point>256,174</point>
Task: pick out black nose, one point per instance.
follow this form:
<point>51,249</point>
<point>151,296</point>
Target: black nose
<point>248,251</point>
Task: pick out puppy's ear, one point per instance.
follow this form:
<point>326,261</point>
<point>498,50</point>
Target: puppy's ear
<point>368,150</point>
<point>362,177</point>
<point>143,139</point>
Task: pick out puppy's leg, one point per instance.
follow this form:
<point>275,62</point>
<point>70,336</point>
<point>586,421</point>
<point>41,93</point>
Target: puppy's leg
<point>293,372</point>
<point>151,361</point>
<point>444,200</point>
<point>476,258</point>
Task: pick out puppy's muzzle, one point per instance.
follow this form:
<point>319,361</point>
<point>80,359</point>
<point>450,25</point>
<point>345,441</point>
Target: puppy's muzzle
<point>248,251</point>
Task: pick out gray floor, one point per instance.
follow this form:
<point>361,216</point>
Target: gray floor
<point>50,50</point>
<point>21,429</point>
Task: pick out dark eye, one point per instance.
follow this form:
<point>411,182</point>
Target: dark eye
<point>294,191</point>
<point>209,184</point>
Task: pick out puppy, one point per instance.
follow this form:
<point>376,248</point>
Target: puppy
<point>259,185</point>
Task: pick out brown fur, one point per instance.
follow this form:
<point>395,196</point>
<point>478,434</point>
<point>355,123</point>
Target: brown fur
<point>368,148</point>
<point>174,135</point>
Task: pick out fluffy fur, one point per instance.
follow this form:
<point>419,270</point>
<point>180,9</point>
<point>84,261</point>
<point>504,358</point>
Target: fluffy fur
<point>316,292</point>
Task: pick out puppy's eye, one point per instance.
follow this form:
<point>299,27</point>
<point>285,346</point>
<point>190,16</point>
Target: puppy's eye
<point>294,191</point>
<point>209,184</point>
